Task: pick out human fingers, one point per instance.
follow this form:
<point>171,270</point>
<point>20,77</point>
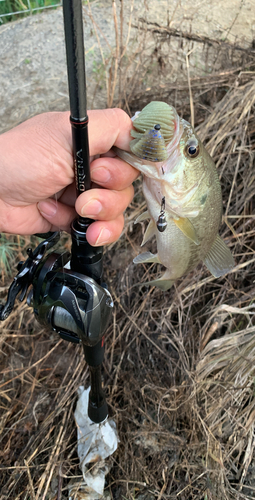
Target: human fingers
<point>104,204</point>
<point>112,173</point>
<point>106,128</point>
<point>105,232</point>
<point>23,220</point>
<point>58,214</point>
<point>51,168</point>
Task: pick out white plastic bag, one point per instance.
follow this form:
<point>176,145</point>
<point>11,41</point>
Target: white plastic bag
<point>96,442</point>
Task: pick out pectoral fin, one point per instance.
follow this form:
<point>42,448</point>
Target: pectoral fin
<point>150,231</point>
<point>146,257</point>
<point>187,228</point>
<point>219,260</point>
<point>142,217</point>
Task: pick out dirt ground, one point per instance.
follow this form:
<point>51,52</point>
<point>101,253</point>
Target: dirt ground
<point>33,76</point>
<point>179,366</point>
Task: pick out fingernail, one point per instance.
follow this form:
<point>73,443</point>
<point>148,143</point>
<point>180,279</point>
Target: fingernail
<point>92,208</point>
<point>103,237</point>
<point>100,174</point>
<point>48,208</point>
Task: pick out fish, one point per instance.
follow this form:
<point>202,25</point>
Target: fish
<point>183,195</point>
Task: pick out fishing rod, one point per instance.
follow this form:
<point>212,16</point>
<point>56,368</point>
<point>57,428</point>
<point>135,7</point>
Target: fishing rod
<point>85,258</point>
<point>66,289</point>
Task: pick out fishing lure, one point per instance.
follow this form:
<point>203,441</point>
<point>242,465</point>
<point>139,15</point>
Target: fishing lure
<point>161,222</point>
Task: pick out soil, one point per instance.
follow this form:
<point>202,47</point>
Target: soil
<point>33,76</point>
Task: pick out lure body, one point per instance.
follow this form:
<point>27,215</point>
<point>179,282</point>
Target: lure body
<point>188,183</point>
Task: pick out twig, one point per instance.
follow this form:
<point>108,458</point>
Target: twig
<point>156,28</point>
<point>190,91</point>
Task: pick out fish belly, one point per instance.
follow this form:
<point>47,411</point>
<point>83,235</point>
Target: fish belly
<point>176,252</point>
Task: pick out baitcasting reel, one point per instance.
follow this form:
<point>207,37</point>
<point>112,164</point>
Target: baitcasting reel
<point>72,304</point>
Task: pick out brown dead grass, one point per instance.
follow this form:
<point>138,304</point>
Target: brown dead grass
<point>179,366</point>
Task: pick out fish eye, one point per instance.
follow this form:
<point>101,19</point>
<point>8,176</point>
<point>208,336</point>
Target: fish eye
<point>192,150</point>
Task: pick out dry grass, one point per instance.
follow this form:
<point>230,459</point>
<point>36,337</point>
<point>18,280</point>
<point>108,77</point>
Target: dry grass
<point>179,366</point>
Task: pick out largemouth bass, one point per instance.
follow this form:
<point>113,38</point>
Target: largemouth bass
<point>183,195</point>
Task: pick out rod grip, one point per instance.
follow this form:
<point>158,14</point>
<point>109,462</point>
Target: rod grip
<point>97,407</point>
<point>81,154</point>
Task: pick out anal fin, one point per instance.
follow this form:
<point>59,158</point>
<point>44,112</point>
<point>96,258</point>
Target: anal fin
<point>150,231</point>
<point>219,259</point>
<point>187,228</point>
<point>146,257</point>
<point>164,283</point>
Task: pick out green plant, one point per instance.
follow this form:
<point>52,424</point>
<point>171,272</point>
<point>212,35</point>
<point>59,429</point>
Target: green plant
<point>8,248</point>
<point>11,10</point>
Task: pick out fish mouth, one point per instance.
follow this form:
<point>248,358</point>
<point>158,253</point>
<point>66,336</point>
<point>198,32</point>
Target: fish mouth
<point>154,114</point>
<point>154,129</point>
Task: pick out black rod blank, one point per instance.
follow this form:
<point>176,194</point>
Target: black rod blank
<point>72,11</point>
<point>75,58</point>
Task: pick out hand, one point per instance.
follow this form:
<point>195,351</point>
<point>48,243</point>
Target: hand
<point>37,192</point>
